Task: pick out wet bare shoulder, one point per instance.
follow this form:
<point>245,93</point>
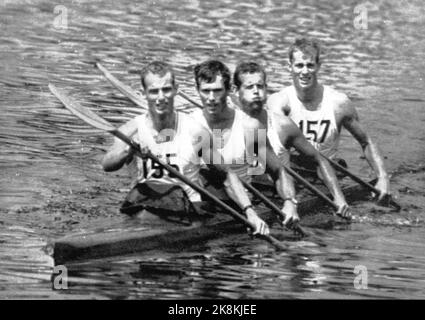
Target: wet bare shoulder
<point>284,126</point>
<point>279,102</point>
<point>344,108</point>
<point>277,117</point>
<point>250,123</point>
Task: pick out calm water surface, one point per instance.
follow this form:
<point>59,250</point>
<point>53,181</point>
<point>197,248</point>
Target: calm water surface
<point>51,182</point>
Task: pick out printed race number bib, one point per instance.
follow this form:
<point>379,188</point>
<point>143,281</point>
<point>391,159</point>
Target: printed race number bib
<point>312,129</point>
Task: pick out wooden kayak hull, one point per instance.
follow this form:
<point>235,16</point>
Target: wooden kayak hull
<point>156,233</point>
<point>117,242</point>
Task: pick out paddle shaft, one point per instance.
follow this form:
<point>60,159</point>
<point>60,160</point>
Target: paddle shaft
<point>360,181</point>
<point>351,175</point>
<point>194,186</point>
<point>185,96</point>
<point>312,188</point>
<point>271,205</point>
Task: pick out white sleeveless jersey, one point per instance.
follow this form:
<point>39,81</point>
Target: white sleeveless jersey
<point>280,150</point>
<point>179,153</point>
<point>319,127</point>
<point>234,151</point>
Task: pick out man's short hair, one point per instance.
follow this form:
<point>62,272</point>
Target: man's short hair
<point>156,67</point>
<point>207,71</point>
<point>305,46</point>
<point>247,67</point>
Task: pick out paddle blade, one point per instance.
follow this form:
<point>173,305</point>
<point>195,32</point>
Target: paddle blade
<point>124,89</point>
<point>388,201</point>
<point>81,112</point>
<point>187,98</point>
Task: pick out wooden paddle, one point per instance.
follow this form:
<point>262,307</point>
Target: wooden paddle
<point>387,199</point>
<point>123,88</point>
<point>272,206</point>
<point>98,122</point>
<point>313,189</point>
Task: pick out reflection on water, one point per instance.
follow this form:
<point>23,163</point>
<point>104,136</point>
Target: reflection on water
<point>52,183</point>
<point>25,270</point>
<point>232,270</point>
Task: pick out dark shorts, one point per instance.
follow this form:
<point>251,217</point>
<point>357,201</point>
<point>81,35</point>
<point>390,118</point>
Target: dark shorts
<point>212,180</point>
<point>158,198</point>
<point>172,200</point>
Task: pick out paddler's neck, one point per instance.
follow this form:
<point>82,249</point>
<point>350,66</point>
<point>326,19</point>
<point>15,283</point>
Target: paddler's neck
<point>221,120</point>
<point>161,122</point>
<point>310,97</point>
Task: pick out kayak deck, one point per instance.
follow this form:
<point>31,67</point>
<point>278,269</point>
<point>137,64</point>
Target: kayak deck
<point>156,233</point>
<point>127,241</point>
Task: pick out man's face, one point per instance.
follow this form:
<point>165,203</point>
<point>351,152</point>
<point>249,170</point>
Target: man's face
<point>160,93</point>
<point>304,69</point>
<point>213,96</point>
<point>252,92</point>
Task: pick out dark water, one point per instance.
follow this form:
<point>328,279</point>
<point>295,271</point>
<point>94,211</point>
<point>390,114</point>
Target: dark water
<point>52,184</point>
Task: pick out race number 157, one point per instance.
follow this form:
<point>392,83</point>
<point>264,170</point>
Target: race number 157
<point>311,129</point>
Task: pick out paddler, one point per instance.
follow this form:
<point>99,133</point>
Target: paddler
<point>250,82</point>
<point>176,139</point>
<point>238,134</point>
<point>321,111</point>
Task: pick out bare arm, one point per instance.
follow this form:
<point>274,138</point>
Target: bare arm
<point>284,185</point>
<point>279,103</point>
<point>120,153</point>
<point>291,136</point>
<point>350,121</point>
<point>231,182</point>
<point>283,182</point>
